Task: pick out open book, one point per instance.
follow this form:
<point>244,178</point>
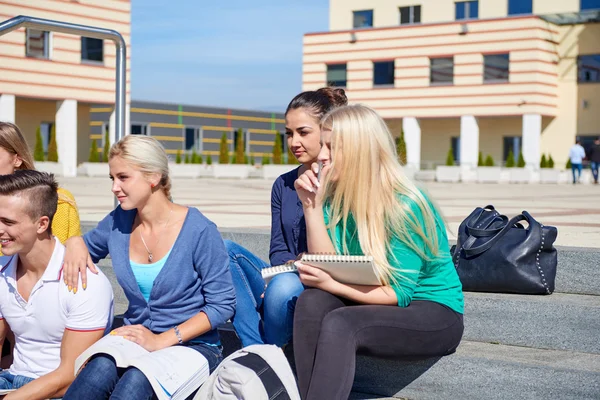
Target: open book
<point>357,270</point>
<point>174,372</point>
<point>6,391</point>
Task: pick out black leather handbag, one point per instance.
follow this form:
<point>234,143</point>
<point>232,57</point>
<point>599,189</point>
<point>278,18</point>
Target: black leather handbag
<point>495,254</point>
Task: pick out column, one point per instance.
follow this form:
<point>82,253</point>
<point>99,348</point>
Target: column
<point>412,137</point>
<point>66,136</point>
<point>7,108</point>
<point>532,137</point>
<point>469,141</point>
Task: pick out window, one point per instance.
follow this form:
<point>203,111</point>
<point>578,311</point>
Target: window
<point>191,135</point>
<point>383,73</point>
<point>511,143</point>
<point>455,143</point>
<point>139,129</point>
<point>92,49</point>
<point>410,15</point>
<point>588,67</point>
<point>362,19</point>
<point>336,75</point>
<point>38,44</point>
<point>516,7</point>
<point>467,9</point>
<point>590,5</point>
<point>442,70</point>
<point>46,132</point>
<point>495,67</point>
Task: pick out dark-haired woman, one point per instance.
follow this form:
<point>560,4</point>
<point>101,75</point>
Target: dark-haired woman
<point>265,314</point>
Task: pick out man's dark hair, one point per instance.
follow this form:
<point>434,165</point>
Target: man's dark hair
<point>39,188</point>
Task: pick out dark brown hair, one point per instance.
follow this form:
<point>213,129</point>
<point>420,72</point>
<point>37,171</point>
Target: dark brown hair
<point>319,102</point>
<point>40,189</point>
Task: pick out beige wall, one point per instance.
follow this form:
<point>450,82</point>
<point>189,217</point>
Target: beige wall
<point>64,75</point>
<point>492,131</point>
<point>385,12</point>
<point>436,138</point>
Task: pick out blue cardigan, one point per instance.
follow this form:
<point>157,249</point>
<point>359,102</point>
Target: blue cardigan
<point>288,229</point>
<point>195,277</point>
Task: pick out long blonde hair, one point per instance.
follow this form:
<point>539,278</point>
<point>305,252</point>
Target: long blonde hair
<point>147,155</point>
<point>13,141</point>
<point>370,185</point>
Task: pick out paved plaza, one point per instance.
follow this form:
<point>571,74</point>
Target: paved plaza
<point>575,210</point>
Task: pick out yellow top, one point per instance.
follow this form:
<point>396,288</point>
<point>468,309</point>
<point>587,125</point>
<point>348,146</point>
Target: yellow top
<point>66,220</point>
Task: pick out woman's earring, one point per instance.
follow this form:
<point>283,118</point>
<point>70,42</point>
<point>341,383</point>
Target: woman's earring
<point>152,185</point>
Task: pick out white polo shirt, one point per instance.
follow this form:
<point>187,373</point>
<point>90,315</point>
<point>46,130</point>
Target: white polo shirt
<point>39,324</point>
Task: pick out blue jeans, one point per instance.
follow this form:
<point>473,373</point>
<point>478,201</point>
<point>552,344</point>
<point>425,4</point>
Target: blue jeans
<point>261,320</point>
<point>576,168</point>
<point>595,166</point>
<point>10,381</point>
<point>101,379</point>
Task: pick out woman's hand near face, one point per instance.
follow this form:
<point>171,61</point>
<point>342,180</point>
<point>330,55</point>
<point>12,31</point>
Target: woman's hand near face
<point>308,187</point>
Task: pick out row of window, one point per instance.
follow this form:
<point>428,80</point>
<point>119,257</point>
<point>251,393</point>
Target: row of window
<point>462,10</point>
<point>441,70</point>
<point>38,45</point>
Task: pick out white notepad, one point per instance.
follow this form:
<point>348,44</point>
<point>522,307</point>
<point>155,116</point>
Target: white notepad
<point>357,270</point>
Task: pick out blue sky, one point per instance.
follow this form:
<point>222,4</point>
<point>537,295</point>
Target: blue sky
<point>235,53</point>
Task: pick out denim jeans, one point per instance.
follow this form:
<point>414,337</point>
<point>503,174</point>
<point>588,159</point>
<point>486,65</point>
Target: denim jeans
<point>10,381</point>
<point>101,379</point>
<point>576,168</point>
<point>595,166</point>
<point>261,320</point>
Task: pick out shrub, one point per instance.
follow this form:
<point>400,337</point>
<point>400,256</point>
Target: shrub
<point>106,148</point>
<point>568,166</point>
<point>450,157</point>
<point>196,158</point>
<point>266,160</point>
<point>543,162</point>
<point>480,162</point>
<point>187,158</point>
<point>93,153</point>
<point>510,160</point>
<point>291,157</point>
<point>401,148</point>
<point>521,162</point>
<point>52,147</point>
<point>252,160</point>
<point>178,157</point>
<point>224,150</point>
<point>239,148</point>
<point>489,161</point>
<point>208,160</point>
<point>277,156</point>
<point>550,162</point>
<point>38,152</point>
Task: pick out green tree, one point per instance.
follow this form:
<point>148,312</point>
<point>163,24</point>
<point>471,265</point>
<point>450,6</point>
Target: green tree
<point>239,148</point>
<point>291,158</point>
<point>521,162</point>
<point>480,162</point>
<point>52,147</point>
<point>38,152</point>
<point>450,157</point>
<point>209,160</point>
<point>277,153</point>
<point>401,148</point>
<point>178,157</point>
<point>252,160</point>
<point>196,158</point>
<point>550,161</point>
<point>543,162</point>
<point>187,158</point>
<point>93,153</point>
<point>106,148</point>
<point>224,150</point>
<point>510,160</point>
<point>489,161</point>
<point>568,166</point>
<point>266,160</point>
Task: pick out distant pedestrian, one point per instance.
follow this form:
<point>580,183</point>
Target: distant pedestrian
<point>595,159</point>
<point>576,155</point>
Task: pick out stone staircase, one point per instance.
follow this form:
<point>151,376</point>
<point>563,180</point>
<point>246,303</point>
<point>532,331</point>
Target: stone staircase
<point>514,347</point>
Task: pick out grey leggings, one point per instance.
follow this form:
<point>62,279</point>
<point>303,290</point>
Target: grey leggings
<point>329,331</point>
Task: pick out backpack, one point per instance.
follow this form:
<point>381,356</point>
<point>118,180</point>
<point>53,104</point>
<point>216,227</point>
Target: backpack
<point>257,372</point>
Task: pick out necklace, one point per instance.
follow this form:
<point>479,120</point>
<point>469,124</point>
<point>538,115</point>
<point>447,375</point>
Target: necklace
<point>150,256</point>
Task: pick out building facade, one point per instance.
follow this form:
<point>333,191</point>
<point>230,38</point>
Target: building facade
<point>489,76</point>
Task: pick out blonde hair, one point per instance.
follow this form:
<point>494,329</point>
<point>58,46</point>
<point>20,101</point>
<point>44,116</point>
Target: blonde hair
<point>145,154</point>
<point>13,141</point>
<point>369,182</point>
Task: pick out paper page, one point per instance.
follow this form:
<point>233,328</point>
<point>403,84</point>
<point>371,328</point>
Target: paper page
<point>121,349</point>
<point>6,391</point>
<point>171,369</point>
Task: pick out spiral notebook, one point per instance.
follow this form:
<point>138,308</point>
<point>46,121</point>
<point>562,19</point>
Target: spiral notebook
<point>357,270</point>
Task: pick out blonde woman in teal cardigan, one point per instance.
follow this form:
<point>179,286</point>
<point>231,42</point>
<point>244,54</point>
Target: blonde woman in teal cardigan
<point>364,204</point>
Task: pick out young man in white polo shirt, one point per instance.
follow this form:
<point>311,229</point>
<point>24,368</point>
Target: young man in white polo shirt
<point>52,326</point>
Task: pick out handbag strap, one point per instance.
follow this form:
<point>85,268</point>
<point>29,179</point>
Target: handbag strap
<point>273,385</point>
<point>486,232</point>
<point>474,251</point>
